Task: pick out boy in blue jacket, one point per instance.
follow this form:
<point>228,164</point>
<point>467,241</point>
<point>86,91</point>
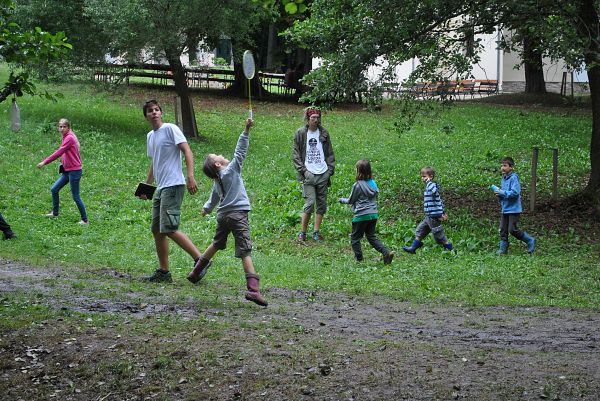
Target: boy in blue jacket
<point>509,196</point>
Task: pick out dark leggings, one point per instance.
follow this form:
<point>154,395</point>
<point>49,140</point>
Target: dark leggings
<point>361,228</point>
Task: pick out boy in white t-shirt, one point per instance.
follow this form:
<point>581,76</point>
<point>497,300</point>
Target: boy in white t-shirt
<point>315,164</point>
<point>165,143</point>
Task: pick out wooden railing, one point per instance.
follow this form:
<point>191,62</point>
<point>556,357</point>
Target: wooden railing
<point>204,77</point>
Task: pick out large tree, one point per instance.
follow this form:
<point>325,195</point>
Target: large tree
<point>22,48</point>
<point>138,30</point>
<point>84,32</point>
<point>352,35</point>
<point>161,29</point>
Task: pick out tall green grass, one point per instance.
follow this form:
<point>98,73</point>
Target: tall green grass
<point>463,143</point>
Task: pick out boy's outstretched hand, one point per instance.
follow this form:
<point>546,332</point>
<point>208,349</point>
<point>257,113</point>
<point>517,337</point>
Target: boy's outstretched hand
<point>249,124</point>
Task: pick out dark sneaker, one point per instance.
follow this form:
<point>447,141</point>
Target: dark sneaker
<point>387,259</point>
<point>317,236</point>
<point>160,276</point>
<point>199,270</point>
<point>301,236</point>
<point>9,235</point>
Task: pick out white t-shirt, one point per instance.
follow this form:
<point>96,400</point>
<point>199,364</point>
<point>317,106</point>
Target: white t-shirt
<point>315,158</point>
<point>166,155</point>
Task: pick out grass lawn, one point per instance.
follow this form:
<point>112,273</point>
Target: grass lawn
<point>463,143</point>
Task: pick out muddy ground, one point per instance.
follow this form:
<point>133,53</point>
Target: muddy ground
<point>153,345</point>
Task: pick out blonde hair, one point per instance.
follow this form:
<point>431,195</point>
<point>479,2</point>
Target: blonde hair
<point>65,121</point>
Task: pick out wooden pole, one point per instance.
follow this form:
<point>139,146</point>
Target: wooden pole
<point>555,174</point>
<point>534,163</point>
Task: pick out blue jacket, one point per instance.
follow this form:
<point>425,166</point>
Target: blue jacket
<point>510,194</point>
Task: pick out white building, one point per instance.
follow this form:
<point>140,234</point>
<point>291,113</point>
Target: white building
<point>500,65</point>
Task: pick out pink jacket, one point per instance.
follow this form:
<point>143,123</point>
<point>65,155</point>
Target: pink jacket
<point>69,152</point>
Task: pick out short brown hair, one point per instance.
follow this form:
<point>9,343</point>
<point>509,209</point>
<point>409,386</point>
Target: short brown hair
<point>427,170</point>
<point>363,170</point>
<point>209,168</point>
<point>151,102</point>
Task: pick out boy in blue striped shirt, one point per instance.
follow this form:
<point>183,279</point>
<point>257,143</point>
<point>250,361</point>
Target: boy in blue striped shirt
<point>434,214</point>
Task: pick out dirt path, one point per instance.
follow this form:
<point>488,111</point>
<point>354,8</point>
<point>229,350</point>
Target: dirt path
<point>304,346</point>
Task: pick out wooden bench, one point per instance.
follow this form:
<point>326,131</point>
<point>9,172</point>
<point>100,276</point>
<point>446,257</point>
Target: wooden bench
<point>446,89</point>
<point>451,89</point>
<point>466,87</point>
<point>486,86</point>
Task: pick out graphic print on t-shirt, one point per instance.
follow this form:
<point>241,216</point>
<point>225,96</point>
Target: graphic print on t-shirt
<point>313,156</point>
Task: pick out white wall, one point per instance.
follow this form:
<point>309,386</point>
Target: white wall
<point>485,69</point>
<point>493,65</point>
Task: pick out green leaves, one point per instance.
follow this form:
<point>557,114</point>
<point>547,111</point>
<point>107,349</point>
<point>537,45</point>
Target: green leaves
<point>294,6</point>
<point>23,49</point>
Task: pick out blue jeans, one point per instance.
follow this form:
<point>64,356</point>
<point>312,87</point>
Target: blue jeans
<point>73,178</point>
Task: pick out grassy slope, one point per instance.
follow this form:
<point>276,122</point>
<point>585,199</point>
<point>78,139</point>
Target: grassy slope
<point>464,144</point>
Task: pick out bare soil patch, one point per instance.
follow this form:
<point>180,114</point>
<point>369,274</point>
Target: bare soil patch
<point>304,346</point>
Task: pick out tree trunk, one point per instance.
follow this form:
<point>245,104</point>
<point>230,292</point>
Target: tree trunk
<point>588,23</point>
<point>192,45</point>
<point>593,187</point>
<point>271,47</point>
<point>188,118</point>
<point>532,59</point>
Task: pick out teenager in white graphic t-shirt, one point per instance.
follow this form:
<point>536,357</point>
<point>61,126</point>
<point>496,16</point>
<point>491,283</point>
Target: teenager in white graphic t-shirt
<point>315,164</point>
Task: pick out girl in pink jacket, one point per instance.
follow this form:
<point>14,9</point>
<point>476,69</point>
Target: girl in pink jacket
<point>70,170</point>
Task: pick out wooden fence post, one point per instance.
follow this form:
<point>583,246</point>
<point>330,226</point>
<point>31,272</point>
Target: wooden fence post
<point>534,163</point>
<point>555,174</point>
